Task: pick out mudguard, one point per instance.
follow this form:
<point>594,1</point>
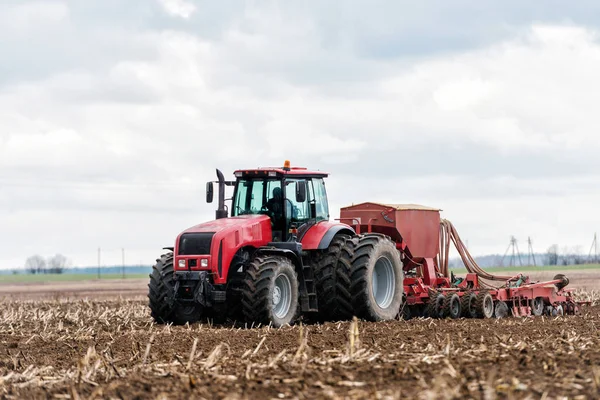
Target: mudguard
<point>320,235</point>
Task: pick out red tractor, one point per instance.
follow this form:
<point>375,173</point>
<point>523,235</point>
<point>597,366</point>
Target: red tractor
<point>276,256</point>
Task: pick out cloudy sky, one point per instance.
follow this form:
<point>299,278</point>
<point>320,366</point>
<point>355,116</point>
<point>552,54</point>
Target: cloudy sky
<point>113,115</point>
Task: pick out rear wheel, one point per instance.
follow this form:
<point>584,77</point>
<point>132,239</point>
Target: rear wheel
<point>558,311</point>
<point>484,305</point>
<point>435,306</point>
<point>501,310</point>
<point>451,307</point>
<point>377,278</point>
<point>270,291</point>
<point>467,305</point>
<point>537,306</point>
<point>163,307</point>
<point>332,279</point>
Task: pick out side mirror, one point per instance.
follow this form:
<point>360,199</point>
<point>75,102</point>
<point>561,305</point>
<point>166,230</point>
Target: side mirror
<point>300,191</point>
<point>209,192</point>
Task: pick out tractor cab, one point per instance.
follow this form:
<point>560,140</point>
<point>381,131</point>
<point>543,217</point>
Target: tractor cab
<point>293,198</point>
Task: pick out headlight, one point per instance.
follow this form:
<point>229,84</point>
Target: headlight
<point>181,263</point>
<point>204,262</point>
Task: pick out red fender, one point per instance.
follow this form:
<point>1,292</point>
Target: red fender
<point>320,235</point>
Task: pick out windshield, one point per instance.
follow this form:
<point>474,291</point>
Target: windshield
<point>267,196</point>
<point>252,195</point>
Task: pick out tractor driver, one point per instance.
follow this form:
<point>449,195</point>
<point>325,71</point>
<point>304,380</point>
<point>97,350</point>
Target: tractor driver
<point>274,204</point>
<point>275,207</point>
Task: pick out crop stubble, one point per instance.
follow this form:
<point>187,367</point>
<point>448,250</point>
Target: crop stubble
<point>110,348</point>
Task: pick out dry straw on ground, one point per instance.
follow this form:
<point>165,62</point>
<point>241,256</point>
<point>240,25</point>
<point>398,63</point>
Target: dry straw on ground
<point>111,349</point>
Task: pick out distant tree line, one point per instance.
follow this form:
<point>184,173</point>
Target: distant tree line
<point>568,256</point>
<point>52,265</point>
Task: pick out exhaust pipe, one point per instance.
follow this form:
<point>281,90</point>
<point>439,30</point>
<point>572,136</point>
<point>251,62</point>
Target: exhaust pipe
<point>221,210</point>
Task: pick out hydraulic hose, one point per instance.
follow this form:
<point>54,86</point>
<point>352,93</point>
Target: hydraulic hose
<point>448,233</point>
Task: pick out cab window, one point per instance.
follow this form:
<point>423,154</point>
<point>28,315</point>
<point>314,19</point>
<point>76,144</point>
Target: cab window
<point>320,198</point>
<point>296,212</point>
<point>252,195</point>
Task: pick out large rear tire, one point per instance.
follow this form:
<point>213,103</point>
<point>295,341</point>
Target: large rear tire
<point>332,279</point>
<point>161,288</point>
<point>270,291</point>
<point>377,278</point>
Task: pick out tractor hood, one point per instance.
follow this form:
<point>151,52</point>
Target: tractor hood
<point>212,245</point>
<point>221,224</point>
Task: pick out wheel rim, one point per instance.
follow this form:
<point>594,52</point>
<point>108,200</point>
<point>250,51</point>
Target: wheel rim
<point>501,309</point>
<point>455,306</point>
<point>282,296</point>
<point>538,304</point>
<point>488,305</point>
<point>471,305</point>
<point>383,282</point>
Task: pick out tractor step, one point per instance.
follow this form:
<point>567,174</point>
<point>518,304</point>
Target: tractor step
<point>309,300</point>
<point>308,303</point>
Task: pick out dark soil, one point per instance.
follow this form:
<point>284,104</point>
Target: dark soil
<point>98,349</point>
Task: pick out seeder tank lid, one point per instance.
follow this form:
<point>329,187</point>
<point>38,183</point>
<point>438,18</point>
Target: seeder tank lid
<point>399,207</point>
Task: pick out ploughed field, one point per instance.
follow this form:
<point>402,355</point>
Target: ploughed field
<point>109,348</point>
<point>88,287</point>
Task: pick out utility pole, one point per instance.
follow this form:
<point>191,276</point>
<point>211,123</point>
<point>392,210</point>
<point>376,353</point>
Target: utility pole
<point>99,260</point>
<point>594,249</point>
<point>123,261</point>
<point>530,252</point>
<point>515,252</point>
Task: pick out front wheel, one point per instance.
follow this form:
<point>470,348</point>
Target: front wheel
<point>270,291</point>
<point>161,293</point>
